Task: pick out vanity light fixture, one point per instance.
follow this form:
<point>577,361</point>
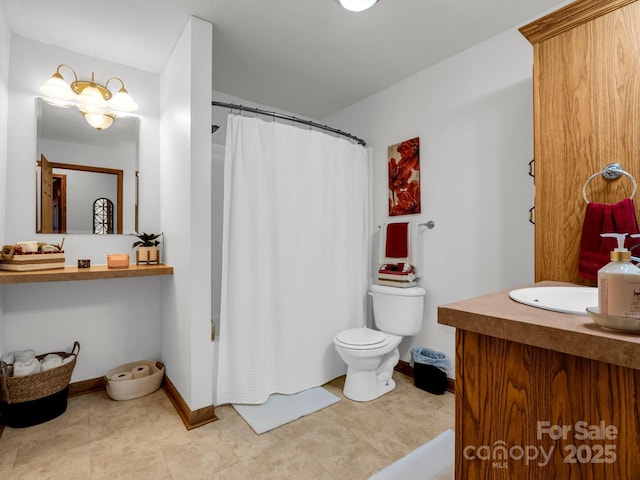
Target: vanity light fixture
<point>95,101</point>
<point>97,120</point>
<point>357,5</point>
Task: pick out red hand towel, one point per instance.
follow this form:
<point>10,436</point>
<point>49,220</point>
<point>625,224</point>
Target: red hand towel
<point>600,218</point>
<point>397,245</point>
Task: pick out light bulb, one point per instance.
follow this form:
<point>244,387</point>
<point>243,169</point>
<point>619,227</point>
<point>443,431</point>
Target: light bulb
<point>99,121</point>
<point>56,87</point>
<point>91,96</point>
<point>123,102</point>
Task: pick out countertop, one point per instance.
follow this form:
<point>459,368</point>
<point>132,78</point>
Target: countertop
<point>496,315</point>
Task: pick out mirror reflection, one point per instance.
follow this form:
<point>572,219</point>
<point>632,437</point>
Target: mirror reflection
<point>86,180</point>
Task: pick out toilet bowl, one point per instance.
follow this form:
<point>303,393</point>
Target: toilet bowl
<point>371,355</point>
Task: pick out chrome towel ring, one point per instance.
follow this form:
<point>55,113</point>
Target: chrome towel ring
<point>612,171</point>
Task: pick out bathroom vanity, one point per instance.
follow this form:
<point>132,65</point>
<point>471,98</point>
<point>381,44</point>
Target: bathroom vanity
<point>541,394</point>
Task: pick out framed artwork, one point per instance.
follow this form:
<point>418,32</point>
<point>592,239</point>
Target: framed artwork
<point>404,177</point>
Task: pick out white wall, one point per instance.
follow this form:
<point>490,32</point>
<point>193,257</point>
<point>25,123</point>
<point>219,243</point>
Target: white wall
<point>185,183</point>
<point>473,114</point>
<point>5,40</point>
<point>217,203</point>
<point>115,321</point>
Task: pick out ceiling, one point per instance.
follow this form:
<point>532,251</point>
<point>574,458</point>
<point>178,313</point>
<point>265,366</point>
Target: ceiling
<point>309,57</point>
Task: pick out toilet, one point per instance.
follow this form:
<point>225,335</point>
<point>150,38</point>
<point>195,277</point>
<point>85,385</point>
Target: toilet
<point>371,355</point>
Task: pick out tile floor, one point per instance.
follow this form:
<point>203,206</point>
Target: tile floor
<point>97,438</point>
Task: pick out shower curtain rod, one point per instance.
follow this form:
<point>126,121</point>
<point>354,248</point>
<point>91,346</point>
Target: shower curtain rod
<point>287,117</point>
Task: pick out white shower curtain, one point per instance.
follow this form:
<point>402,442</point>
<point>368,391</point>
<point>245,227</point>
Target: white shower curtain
<point>296,253</point>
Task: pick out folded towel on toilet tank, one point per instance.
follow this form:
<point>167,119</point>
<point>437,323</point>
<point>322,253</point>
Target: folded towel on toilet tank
<point>397,275</point>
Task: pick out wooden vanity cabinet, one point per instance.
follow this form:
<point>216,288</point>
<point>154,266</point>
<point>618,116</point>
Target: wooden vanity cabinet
<point>586,88</point>
<point>542,395</point>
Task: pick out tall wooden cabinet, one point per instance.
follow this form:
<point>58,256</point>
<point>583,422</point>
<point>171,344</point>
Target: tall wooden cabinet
<point>586,115</point>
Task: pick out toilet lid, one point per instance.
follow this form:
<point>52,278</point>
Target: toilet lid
<point>362,337</point>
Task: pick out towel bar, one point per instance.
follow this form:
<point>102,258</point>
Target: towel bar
<point>612,171</point>
<point>429,224</point>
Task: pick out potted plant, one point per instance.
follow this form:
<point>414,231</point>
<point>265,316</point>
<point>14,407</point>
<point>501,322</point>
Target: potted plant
<point>147,248</point>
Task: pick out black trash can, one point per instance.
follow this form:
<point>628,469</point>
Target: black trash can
<point>430,370</point>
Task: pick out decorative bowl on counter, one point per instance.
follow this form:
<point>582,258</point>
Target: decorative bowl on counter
<point>617,324</point>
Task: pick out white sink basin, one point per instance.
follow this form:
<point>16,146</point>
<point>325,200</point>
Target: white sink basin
<point>573,300</point>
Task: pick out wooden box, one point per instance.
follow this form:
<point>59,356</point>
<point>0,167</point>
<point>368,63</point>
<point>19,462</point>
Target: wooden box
<point>27,262</point>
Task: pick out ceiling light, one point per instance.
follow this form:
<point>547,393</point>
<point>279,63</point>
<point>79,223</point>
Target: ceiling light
<point>358,5</point>
<point>92,97</point>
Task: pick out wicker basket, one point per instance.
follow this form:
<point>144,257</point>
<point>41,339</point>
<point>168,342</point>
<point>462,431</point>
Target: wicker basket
<point>138,387</point>
<point>37,385</point>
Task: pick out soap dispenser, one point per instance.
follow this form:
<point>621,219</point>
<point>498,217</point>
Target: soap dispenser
<point>619,283</point>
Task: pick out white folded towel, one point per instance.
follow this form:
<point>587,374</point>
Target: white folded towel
<point>52,360</point>
<point>30,247</point>
<point>8,358</point>
<point>24,355</point>
<point>68,359</point>
<point>22,369</point>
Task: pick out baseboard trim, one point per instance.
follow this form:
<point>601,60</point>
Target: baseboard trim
<point>407,369</point>
<point>190,418</point>
<point>404,367</point>
<point>87,386</point>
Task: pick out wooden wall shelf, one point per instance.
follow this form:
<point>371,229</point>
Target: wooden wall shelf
<point>95,272</point>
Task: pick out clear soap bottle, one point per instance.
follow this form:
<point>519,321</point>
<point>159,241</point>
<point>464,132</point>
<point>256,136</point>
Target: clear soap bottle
<point>619,283</point>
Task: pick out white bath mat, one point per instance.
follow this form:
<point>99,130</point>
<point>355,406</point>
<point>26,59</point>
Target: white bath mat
<point>435,459</point>
<point>280,409</point>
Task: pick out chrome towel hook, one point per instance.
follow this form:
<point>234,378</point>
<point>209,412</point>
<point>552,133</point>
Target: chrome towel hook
<point>612,171</point>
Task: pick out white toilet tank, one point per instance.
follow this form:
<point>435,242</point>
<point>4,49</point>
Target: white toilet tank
<point>398,310</point>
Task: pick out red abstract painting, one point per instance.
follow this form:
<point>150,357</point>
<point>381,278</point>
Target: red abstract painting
<point>404,177</point>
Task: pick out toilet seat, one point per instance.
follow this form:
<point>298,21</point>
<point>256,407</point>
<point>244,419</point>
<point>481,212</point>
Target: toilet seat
<point>362,339</point>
